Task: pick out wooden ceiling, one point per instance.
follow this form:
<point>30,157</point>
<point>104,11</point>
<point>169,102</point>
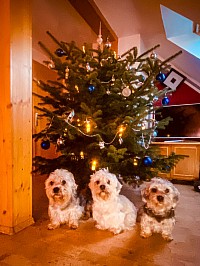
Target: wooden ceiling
<point>93,16</point>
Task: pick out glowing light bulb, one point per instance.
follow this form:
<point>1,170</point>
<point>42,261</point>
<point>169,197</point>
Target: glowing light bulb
<point>94,164</point>
<point>76,87</point>
<point>121,130</point>
<point>82,154</point>
<point>88,126</point>
<point>135,162</point>
<point>78,122</point>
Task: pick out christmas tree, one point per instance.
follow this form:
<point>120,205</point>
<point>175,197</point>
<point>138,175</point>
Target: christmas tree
<point>101,112</point>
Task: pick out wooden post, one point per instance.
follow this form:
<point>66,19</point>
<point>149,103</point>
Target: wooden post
<point>15,116</point>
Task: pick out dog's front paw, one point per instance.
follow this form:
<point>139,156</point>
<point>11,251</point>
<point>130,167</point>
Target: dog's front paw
<point>145,234</point>
<point>73,226</point>
<point>167,237</point>
<point>98,226</point>
<point>117,230</point>
<point>53,226</point>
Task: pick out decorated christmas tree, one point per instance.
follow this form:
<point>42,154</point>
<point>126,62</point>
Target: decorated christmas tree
<point>101,112</point>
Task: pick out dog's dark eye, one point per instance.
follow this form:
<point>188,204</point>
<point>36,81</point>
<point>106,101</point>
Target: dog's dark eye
<point>167,190</point>
<point>51,183</point>
<point>108,182</point>
<point>154,190</point>
<point>63,182</point>
<point>97,182</point>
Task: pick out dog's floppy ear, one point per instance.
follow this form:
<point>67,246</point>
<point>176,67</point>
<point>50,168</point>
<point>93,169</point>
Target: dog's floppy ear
<point>176,195</point>
<point>73,183</point>
<point>91,185</point>
<point>145,192</point>
<point>119,186</point>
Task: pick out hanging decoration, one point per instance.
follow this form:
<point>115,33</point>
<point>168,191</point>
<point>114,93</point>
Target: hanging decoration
<point>147,161</point>
<point>91,88</point>
<point>126,91</point>
<point>60,141</point>
<point>45,144</point>
<point>108,43</point>
<point>99,39</point>
<point>161,77</point>
<point>60,52</point>
<point>145,143</point>
<point>88,68</point>
<point>153,55</point>
<point>155,133</point>
<point>165,101</point>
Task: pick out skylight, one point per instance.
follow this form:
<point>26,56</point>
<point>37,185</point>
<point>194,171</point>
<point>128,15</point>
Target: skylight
<point>180,31</point>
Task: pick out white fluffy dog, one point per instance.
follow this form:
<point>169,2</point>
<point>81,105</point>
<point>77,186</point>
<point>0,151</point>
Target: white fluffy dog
<point>64,205</point>
<point>110,210</point>
<point>160,197</point>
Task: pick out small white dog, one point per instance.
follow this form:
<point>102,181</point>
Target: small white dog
<point>160,198</point>
<point>64,205</point>
<point>110,210</point>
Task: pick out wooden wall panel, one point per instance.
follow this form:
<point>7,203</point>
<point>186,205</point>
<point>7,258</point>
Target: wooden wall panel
<point>16,117</point>
<point>5,119</point>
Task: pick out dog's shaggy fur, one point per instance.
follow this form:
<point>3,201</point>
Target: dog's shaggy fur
<point>64,205</point>
<point>160,197</point>
<point>111,211</point>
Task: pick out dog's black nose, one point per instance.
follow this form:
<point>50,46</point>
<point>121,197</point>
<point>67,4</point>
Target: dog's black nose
<point>102,187</point>
<point>160,198</point>
<point>56,189</point>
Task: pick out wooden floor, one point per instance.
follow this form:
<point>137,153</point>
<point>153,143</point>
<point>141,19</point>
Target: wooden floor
<point>89,246</point>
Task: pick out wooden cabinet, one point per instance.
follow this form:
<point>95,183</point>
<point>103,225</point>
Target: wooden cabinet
<point>187,168</point>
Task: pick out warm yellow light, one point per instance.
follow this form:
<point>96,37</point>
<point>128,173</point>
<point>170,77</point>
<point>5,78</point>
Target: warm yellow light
<point>83,48</point>
<point>121,130</point>
<point>82,154</point>
<point>94,164</point>
<point>76,87</point>
<point>78,122</point>
<point>135,162</point>
<point>88,126</point>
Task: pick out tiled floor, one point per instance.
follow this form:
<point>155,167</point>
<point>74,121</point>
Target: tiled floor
<point>88,246</point>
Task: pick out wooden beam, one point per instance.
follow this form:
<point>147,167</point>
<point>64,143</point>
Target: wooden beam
<point>15,116</point>
<point>90,12</point>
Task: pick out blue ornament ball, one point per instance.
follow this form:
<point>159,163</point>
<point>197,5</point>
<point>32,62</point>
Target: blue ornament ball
<point>155,133</point>
<point>161,77</point>
<point>60,52</point>
<point>167,168</point>
<point>45,144</point>
<point>91,88</point>
<point>165,101</point>
<point>147,161</point>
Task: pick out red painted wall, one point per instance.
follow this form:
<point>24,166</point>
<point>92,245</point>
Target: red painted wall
<point>184,94</point>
